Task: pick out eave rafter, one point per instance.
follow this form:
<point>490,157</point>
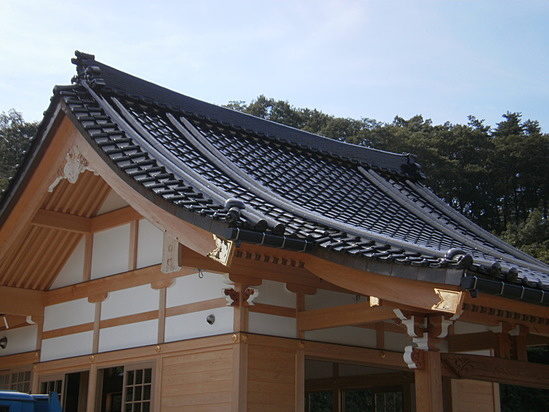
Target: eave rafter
<point>417,294</point>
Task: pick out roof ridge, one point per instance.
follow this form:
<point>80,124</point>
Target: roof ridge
<point>100,75</point>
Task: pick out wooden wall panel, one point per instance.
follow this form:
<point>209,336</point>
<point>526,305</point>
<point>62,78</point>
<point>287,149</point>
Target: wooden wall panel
<point>271,379</point>
<point>198,381</point>
<point>470,396</point>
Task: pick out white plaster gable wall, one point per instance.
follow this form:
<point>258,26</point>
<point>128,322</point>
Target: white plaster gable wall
<point>149,244</point>
<point>195,324</point>
<point>347,335</point>
<point>74,312</point>
<point>76,344</point>
<point>73,270</point>
<point>275,293</point>
<point>111,251</point>
<point>130,301</point>
<point>20,340</point>
<point>272,325</point>
<point>112,202</point>
<point>196,288</point>
<point>128,336</point>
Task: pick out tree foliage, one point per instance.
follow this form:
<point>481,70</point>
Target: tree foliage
<point>15,138</point>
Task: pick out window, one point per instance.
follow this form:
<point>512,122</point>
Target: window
<point>138,388</point>
<point>4,380</point>
<point>126,388</point>
<point>15,380</point>
<point>52,386</point>
<point>72,389</point>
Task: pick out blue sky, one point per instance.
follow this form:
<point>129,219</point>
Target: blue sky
<point>360,59</point>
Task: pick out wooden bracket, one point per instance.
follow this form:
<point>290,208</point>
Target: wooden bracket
<point>234,298</point>
<point>414,357</point>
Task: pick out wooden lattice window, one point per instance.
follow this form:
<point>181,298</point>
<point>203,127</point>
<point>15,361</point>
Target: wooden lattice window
<point>4,380</point>
<point>137,389</point>
<point>21,381</point>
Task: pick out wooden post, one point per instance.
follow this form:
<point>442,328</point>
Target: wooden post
<point>428,380</point>
<point>240,373</point>
<point>240,351</point>
<point>92,386</point>
<point>300,358</point>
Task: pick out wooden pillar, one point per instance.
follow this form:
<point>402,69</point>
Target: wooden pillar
<point>428,379</point>
<point>240,349</point>
<point>240,373</point>
<point>300,358</point>
<point>92,388</point>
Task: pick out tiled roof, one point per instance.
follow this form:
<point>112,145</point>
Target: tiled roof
<point>252,180</point>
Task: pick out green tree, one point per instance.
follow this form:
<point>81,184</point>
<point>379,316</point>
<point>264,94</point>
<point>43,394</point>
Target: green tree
<point>532,235</point>
<point>15,138</point>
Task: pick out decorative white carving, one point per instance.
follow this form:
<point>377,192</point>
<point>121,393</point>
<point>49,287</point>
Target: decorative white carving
<point>75,164</point>
<point>408,322</point>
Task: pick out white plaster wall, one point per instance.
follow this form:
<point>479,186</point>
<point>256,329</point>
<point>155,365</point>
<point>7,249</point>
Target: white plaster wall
<point>20,340</point>
<point>194,325</point>
<point>74,312</point>
<point>111,250</point>
<point>130,301</point>
<point>192,288</point>
<point>275,293</point>
<point>326,298</point>
<point>67,346</point>
<point>128,336</point>
<point>149,244</point>
<point>397,341</point>
<point>73,271</point>
<point>112,202</point>
<point>273,325</point>
<point>346,335</point>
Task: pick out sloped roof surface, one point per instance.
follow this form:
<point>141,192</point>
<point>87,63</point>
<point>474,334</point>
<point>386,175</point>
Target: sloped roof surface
<point>256,181</point>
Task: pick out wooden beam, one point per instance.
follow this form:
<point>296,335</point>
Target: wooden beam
<point>355,354</point>
<point>508,305</point>
<point>418,294</point>
<point>115,218</point>
<point>24,302</point>
<point>485,368</point>
<point>472,341</point>
<point>12,321</point>
<point>258,263</point>
<point>62,221</point>
<point>112,283</point>
<point>80,224</point>
<point>343,315</point>
<point>487,311</point>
